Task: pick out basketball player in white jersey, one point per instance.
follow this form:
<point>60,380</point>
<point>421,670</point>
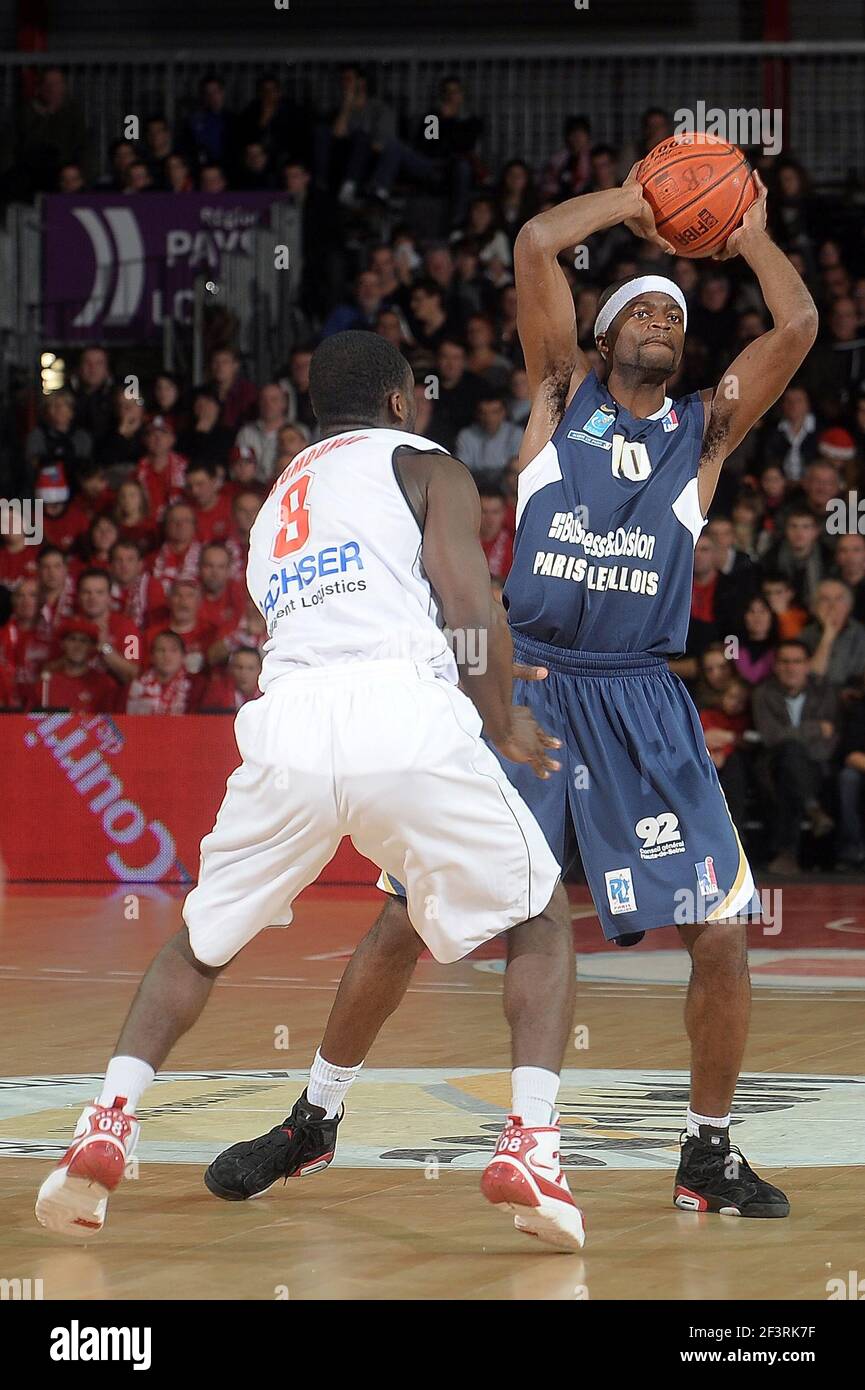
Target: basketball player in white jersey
<point>366,547</point>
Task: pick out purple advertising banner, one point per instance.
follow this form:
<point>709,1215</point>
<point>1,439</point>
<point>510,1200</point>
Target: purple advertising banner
<point>115,266</point>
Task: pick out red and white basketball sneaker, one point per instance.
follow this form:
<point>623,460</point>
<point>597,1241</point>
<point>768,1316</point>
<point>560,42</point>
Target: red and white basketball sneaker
<point>525,1176</point>
<point>74,1197</point>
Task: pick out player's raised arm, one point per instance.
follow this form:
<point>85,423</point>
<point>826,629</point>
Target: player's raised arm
<point>457,570</point>
<point>546,319</point>
<point>755,380</point>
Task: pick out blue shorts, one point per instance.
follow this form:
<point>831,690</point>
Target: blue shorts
<point>637,788</point>
<point>637,793</point>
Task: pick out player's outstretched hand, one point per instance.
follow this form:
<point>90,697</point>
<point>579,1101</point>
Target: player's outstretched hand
<point>753,221</point>
<point>529,743</point>
<point>642,224</point>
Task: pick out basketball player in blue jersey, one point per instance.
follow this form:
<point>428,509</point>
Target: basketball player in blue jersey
<point>616,481</point>
<point>615,484</point>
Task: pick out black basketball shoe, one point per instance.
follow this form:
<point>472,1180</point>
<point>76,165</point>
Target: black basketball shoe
<point>713,1175</point>
<point>304,1143</point>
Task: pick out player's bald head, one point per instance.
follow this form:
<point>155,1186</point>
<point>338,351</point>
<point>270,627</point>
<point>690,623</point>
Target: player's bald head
<point>359,378</point>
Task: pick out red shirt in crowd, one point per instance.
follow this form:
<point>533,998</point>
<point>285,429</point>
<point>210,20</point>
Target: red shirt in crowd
<point>223,610</point>
<point>730,723</point>
<point>238,551</point>
<point>197,642</point>
<point>144,534</point>
<point>17,564</point>
<point>703,601</point>
<point>90,693</point>
<point>216,524</point>
<point>77,518</point>
<point>167,564</point>
<point>240,404</point>
<point>147,694</point>
<point>51,614</point>
<point>10,696</point>
<point>120,630</point>
<point>232,489</point>
<point>245,634</point>
<point>65,530</point>
<point>220,692</point>
<point>142,602</point>
<point>500,553</point>
<point>164,486</point>
<point>23,652</point>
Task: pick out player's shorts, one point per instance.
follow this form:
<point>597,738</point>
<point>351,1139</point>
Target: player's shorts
<point>639,789</point>
<point>392,756</point>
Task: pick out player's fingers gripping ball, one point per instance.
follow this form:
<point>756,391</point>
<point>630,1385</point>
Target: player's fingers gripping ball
<point>699,189</point>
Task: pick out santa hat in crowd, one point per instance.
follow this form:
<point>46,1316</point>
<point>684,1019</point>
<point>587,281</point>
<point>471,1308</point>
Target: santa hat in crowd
<point>51,484</point>
<point>836,444</point>
<point>161,422</point>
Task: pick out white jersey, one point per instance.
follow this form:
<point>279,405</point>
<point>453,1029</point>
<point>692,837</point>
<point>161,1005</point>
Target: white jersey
<point>334,561</point>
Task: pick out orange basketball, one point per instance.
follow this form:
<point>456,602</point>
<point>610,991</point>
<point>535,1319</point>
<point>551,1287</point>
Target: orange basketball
<point>698,188</point>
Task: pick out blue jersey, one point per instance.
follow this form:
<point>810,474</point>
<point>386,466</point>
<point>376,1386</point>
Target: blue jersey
<point>607,519</point>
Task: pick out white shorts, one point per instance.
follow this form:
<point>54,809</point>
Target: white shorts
<point>390,755</point>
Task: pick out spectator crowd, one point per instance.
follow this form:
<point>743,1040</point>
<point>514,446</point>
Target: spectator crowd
<point>135,600</point>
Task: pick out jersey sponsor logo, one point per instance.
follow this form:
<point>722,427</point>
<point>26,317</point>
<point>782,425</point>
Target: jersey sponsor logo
<point>660,836</point>
<point>587,439</point>
<point>568,526</point>
<point>620,891</point>
<point>600,421</point>
<point>551,564</point>
<point>707,879</point>
<point>294,578</point>
<point>670,422</point>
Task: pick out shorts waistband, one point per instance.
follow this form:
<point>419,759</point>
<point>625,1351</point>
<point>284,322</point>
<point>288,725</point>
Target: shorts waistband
<point>351,670</point>
<point>534,653</point>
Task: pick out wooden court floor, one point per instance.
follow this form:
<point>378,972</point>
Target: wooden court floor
<point>399,1215</point>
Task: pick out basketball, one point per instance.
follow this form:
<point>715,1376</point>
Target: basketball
<point>698,188</point>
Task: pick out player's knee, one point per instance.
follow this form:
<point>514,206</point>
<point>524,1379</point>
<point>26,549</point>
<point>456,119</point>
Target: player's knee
<point>200,951</point>
<point>550,931</point>
<point>719,949</point>
<point>558,909</point>
<point>394,933</point>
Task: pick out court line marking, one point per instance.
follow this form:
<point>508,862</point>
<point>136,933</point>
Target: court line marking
<point>624,989</point>
<point>441,987</point>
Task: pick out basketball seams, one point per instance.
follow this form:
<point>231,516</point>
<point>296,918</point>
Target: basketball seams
<point>698,197</point>
<point>687,158</point>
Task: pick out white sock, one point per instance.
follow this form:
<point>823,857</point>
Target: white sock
<point>329,1085</point>
<point>533,1095</point>
<point>126,1076</point>
<point>694,1121</point>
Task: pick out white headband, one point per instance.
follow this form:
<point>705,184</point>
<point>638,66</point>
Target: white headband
<point>635,289</point>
